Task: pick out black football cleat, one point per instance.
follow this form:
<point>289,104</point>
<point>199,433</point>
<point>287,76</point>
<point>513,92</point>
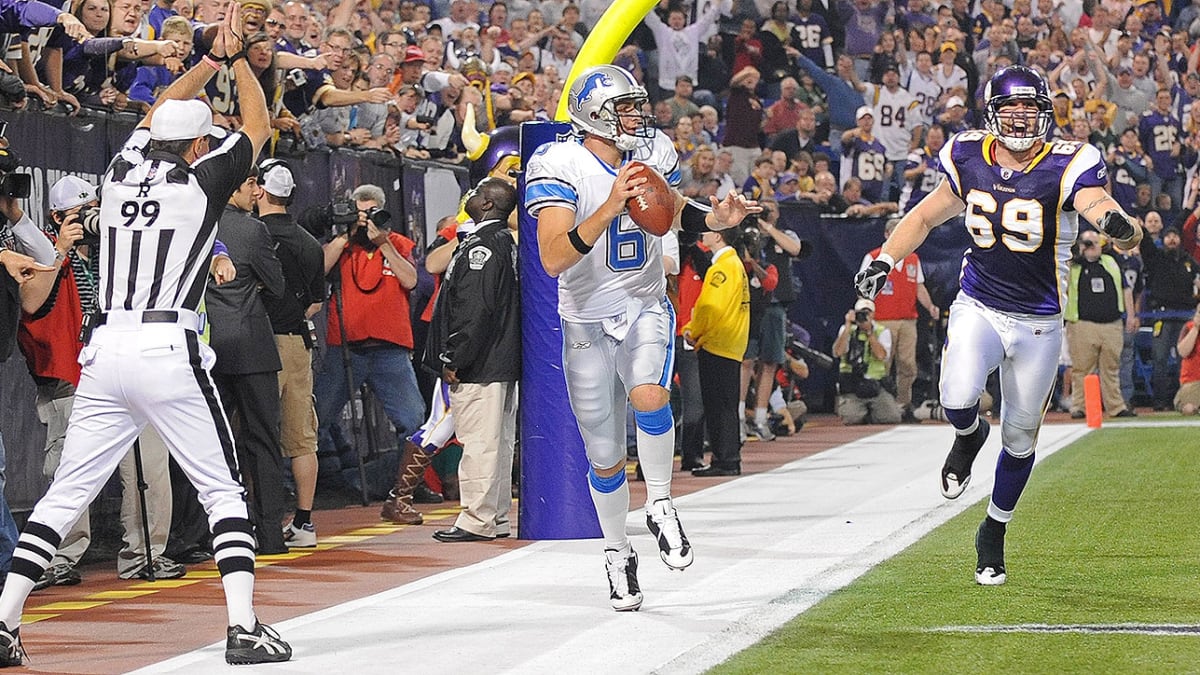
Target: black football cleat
<point>956,472</point>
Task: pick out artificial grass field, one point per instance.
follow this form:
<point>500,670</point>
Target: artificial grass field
<point>1106,533</point>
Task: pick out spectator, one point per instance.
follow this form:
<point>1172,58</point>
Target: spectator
<point>789,188</point>
<point>761,182</point>
<point>318,89</point>
<point>949,75</point>
<point>150,80</point>
<point>718,330</point>
<point>864,157</point>
<point>679,42</point>
<point>693,265</point>
<point>812,36</point>
<point>475,339</point>
<point>1187,399</point>
<point>1099,304</point>
<point>743,124</point>
<point>924,87</point>
<point>954,118</point>
<point>1171,278</point>
<point>373,273</point>
<point>247,366</point>
<point>843,97</point>
<point>922,171</point>
<point>865,22</point>
<point>782,114</point>
<point>302,264</point>
<point>897,124</point>
<point>864,347</point>
<point>896,309</point>
<point>681,101</point>
<point>801,138</point>
<point>1161,133</point>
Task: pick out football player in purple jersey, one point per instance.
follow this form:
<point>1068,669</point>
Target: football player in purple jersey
<point>1022,197</point>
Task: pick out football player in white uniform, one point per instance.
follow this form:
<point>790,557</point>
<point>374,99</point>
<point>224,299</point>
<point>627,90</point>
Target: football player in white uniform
<point>618,328</point>
<point>1022,196</point>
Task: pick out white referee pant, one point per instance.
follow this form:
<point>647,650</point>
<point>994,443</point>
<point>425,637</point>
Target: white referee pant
<point>135,374</point>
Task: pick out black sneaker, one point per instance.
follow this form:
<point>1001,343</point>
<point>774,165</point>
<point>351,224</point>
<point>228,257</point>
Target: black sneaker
<point>61,574</point>
<point>989,548</point>
<point>11,651</point>
<point>956,472</point>
<point>261,645</point>
<point>423,495</point>
<point>624,591</point>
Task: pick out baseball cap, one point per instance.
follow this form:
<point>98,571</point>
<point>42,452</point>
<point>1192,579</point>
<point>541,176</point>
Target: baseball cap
<point>891,65</point>
<point>862,111</point>
<point>864,303</point>
<point>955,101</point>
<point>948,45</point>
<point>788,178</point>
<point>413,54</point>
<point>264,4</point>
<point>1124,70</point>
<point>276,178</point>
<point>180,120</point>
<point>69,192</point>
<point>684,78</point>
<point>1060,92</point>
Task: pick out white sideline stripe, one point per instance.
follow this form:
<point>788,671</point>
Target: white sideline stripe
<point>1167,629</point>
<point>768,546</point>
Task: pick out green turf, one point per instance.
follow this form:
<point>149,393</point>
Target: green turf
<point>1104,534</point>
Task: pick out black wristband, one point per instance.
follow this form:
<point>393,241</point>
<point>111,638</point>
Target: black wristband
<point>230,58</point>
<point>577,241</point>
<point>693,217</point>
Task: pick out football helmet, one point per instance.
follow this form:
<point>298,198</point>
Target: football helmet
<point>1008,85</point>
<point>592,105</point>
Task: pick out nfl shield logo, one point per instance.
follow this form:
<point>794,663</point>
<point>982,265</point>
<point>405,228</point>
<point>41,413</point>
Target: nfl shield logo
<point>1006,173</point>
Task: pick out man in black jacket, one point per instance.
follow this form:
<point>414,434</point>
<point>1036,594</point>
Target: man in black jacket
<point>1171,277</point>
<point>475,342</point>
<point>248,361</point>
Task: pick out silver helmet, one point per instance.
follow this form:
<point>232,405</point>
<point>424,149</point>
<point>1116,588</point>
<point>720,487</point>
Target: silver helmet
<point>592,105</point>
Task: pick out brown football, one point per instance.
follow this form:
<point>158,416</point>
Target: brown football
<point>653,211</point>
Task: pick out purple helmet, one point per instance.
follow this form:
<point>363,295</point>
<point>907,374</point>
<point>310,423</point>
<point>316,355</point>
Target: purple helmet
<point>1011,84</point>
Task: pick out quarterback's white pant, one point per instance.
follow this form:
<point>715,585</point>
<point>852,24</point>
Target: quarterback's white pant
<point>1024,348</point>
<point>136,374</point>
<point>602,363</point>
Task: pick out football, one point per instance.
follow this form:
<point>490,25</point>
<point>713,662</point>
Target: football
<point>653,211</point>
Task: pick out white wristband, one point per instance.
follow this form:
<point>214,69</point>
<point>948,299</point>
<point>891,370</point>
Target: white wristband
<point>885,258</point>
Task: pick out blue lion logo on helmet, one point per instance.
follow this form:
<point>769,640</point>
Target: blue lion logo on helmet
<point>593,82</point>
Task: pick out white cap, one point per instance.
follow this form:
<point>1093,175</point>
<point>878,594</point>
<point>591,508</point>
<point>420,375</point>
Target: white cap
<point>180,120</point>
<point>955,101</point>
<point>864,303</point>
<point>69,192</point>
<point>863,110</point>
<point>277,180</point>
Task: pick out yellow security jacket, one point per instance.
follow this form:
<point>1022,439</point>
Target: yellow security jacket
<point>721,318</point>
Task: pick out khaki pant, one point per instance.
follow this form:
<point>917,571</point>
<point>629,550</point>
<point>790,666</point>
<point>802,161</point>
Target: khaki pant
<point>1189,393</point>
<point>297,413</point>
<point>904,355</point>
<point>1096,347</point>
<point>486,418</point>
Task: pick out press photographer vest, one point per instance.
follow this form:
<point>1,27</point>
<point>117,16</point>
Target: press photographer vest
<point>374,302</point>
<point>876,368</point>
<point>50,342</point>
<point>898,299</point>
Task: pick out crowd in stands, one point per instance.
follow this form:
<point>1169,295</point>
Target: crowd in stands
<point>841,105</point>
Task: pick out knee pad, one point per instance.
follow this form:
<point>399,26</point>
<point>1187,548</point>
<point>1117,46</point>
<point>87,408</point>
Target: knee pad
<point>1019,443</point>
<point>655,422</point>
<point>606,485</point>
<point>962,418</point>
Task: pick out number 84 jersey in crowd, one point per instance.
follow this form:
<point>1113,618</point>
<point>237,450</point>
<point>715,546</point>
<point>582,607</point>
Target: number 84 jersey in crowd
<point>626,261</point>
<point>1022,223</point>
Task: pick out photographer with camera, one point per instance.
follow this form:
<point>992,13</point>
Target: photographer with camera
<point>864,347</point>
<point>370,328</point>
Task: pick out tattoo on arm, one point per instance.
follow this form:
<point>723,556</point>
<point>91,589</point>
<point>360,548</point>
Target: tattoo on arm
<point>1094,204</point>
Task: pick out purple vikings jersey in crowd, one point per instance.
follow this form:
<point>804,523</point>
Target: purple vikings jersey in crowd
<point>1022,223</point>
<point>915,190</point>
<point>864,160</point>
<point>1158,132</point>
<point>808,35</point>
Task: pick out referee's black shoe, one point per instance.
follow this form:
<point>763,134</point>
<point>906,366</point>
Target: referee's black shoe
<point>11,651</point>
<point>261,645</point>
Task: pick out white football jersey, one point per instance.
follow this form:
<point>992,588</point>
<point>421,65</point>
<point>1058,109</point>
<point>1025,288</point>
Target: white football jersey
<point>927,91</point>
<point>626,262</point>
<point>896,115</point>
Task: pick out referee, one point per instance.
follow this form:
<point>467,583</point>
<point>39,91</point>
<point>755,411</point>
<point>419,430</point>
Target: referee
<point>144,362</point>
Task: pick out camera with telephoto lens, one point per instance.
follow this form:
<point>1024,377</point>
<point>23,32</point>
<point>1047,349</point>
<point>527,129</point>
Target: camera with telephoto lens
<point>862,315</point>
<point>329,220</point>
<point>812,356</point>
<point>856,381</point>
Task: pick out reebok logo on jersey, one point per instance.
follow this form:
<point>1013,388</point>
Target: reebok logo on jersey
<point>581,345</point>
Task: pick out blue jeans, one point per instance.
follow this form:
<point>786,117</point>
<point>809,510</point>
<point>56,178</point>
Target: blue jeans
<point>8,526</point>
<point>388,370</point>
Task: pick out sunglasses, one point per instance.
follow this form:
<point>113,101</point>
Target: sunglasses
<point>274,22</point>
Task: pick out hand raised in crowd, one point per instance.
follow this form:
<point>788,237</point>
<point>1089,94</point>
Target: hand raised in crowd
<point>73,27</point>
<point>167,48</point>
<point>379,95</point>
<point>174,65</point>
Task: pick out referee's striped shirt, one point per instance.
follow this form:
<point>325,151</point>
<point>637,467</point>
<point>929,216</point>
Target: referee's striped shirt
<point>158,222</point>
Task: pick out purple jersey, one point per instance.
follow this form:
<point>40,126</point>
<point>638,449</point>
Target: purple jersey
<point>1158,132</point>
<point>865,160</point>
<point>1128,171</point>
<point>809,35</point>
<point>1022,222</point>
<point>916,189</point>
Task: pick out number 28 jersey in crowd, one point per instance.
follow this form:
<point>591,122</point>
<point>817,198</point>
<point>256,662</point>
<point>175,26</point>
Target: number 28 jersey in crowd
<point>1022,223</point>
<point>626,261</point>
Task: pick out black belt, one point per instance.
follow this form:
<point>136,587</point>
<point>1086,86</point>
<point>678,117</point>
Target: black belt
<point>148,316</point>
